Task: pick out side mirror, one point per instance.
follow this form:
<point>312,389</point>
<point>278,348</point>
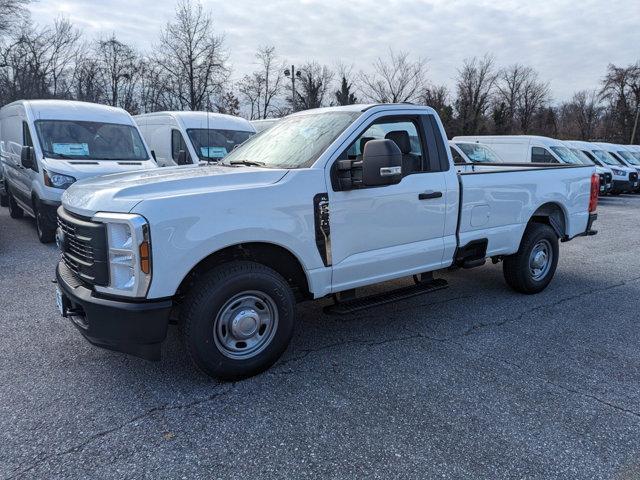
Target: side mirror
<point>381,163</point>
<point>28,158</point>
<point>182,157</point>
<point>153,155</point>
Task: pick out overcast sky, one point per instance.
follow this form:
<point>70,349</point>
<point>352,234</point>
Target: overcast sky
<point>569,42</point>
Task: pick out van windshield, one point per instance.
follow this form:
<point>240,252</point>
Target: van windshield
<point>213,144</point>
<point>628,156</point>
<point>566,156</point>
<point>478,153</point>
<point>605,157</point>
<point>293,142</point>
<point>580,155</point>
<point>73,139</point>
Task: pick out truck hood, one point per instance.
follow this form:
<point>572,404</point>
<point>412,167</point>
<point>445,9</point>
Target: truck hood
<point>123,191</point>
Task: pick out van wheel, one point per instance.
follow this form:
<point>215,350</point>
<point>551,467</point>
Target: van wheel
<point>14,210</point>
<point>531,269</point>
<point>4,200</point>
<point>46,233</point>
<point>238,319</point>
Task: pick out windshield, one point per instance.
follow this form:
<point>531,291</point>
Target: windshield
<point>629,157</point>
<point>90,140</point>
<point>293,142</point>
<point>211,144</point>
<point>605,157</point>
<point>566,156</point>
<point>580,155</point>
<point>478,153</point>
<point>636,155</point>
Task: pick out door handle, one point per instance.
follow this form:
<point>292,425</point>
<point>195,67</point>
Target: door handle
<point>429,195</point>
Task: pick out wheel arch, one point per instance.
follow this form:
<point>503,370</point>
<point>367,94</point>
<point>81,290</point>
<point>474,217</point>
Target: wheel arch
<point>269,254</point>
<point>552,214</point>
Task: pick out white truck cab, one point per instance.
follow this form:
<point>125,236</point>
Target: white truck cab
<point>323,203</point>
<point>188,138</point>
<point>47,145</point>
<point>627,155</point>
<point>264,124</point>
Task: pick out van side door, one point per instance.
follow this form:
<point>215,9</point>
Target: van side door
<point>385,232</point>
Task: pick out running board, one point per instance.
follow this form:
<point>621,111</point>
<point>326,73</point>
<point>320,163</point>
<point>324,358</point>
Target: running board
<point>357,304</point>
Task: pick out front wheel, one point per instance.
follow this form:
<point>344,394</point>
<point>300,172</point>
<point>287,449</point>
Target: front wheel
<point>238,319</point>
<point>531,269</point>
<point>14,210</point>
<point>46,233</point>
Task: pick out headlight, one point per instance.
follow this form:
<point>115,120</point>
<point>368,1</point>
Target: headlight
<point>57,180</point>
<point>618,172</point>
<point>129,254</point>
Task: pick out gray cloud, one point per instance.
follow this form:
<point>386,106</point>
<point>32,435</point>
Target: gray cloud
<point>569,42</point>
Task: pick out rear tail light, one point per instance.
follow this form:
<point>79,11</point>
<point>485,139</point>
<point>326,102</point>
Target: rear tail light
<point>595,190</point>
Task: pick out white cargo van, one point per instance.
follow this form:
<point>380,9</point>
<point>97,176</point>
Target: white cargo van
<point>187,138</point>
<point>605,173</point>
<point>620,165</point>
<point>468,155</point>
<point>628,157</point>
<point>525,148</point>
<point>46,145</point>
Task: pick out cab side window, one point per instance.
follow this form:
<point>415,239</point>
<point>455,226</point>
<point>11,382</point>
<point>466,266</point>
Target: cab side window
<point>177,144</point>
<point>26,135</point>
<point>403,132</point>
<point>542,155</point>
<point>457,158</point>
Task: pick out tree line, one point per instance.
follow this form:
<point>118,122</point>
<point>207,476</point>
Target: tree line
<point>189,68</point>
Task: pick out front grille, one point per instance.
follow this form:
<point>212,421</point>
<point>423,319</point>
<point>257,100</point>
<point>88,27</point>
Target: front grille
<point>84,248</point>
<point>633,176</point>
<point>608,177</point>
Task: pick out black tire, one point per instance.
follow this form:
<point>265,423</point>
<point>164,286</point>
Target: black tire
<point>14,210</point>
<point>46,232</point>
<point>205,333</point>
<point>4,200</point>
<point>517,268</point>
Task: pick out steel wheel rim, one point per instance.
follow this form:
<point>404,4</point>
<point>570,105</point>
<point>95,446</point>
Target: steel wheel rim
<point>245,325</point>
<point>540,259</point>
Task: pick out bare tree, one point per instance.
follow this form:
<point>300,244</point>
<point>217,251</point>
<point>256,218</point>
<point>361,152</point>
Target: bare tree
<point>88,81</point>
<point>621,89</point>
<point>581,115</point>
<point>312,86</point>
<point>191,57</point>
<point>533,96</point>
<point>474,86</point>
<point>396,79</point>
<point>12,14</point>
<point>251,88</point>
<point>439,98</point>
<point>120,66</point>
<point>345,95</point>
<point>508,90</point>
<point>272,73</point>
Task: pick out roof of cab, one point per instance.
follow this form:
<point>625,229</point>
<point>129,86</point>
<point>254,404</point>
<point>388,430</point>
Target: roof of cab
<point>73,110</point>
<point>359,107</point>
<point>192,119</point>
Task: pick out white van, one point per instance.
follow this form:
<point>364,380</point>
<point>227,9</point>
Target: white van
<point>525,148</point>
<point>467,154</point>
<point>628,156</point>
<point>623,176</point>
<point>187,138</point>
<point>613,151</point>
<point>604,172</point>
<point>46,145</point>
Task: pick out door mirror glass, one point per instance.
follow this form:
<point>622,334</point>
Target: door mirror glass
<point>381,163</point>
<point>27,158</point>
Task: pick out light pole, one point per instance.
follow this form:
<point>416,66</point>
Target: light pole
<point>293,73</point>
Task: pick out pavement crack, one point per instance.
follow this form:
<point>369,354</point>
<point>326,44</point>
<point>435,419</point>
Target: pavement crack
<point>20,470</point>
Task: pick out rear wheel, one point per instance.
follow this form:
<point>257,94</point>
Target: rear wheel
<point>4,200</point>
<point>531,269</point>
<point>14,210</point>
<point>238,319</point>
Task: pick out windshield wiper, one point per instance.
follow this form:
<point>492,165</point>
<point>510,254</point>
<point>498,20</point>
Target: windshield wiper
<point>49,153</point>
<point>248,163</point>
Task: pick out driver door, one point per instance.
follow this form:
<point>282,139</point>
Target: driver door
<point>391,231</point>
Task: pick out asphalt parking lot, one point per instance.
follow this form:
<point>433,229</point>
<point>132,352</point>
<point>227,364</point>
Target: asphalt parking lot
<point>470,382</point>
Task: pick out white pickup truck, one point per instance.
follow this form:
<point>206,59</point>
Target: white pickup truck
<point>323,203</point>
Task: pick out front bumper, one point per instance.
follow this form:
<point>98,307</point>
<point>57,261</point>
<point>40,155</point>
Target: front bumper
<point>623,186</point>
<point>137,328</point>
